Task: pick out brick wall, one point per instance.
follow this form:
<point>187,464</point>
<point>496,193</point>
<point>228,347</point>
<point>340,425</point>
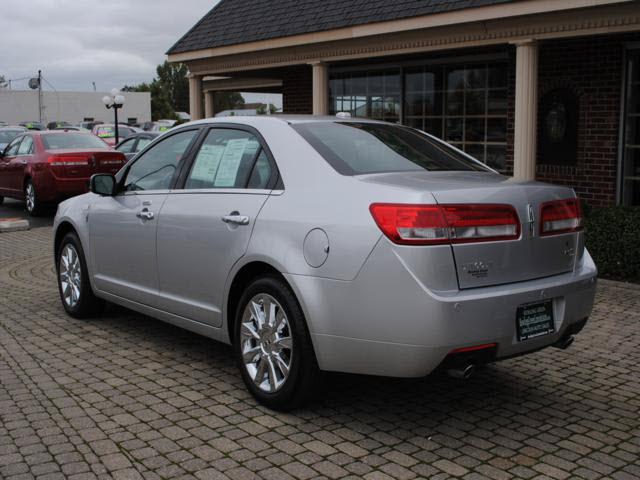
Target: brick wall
<point>592,68</point>
<point>297,90</point>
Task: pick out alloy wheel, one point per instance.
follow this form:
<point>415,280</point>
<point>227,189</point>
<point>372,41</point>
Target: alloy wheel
<point>266,343</point>
<point>70,275</point>
<point>30,197</point>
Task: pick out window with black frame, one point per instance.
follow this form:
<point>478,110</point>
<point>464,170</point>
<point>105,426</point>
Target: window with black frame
<point>374,95</point>
<point>631,145</point>
<point>465,105</point>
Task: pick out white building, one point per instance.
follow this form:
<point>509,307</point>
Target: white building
<point>73,107</point>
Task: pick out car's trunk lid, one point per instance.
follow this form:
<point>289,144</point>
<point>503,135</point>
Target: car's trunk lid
<point>482,264</point>
<point>73,163</point>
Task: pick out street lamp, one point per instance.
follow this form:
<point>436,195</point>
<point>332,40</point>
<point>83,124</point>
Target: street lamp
<point>115,101</point>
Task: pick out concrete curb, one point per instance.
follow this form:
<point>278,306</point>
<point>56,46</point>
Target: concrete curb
<point>13,225</point>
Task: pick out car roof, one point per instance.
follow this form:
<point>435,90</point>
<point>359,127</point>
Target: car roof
<point>290,119</point>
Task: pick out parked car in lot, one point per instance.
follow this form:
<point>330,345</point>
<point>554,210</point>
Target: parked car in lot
<point>107,132</point>
<point>136,142</point>
<point>41,167</point>
<point>56,125</point>
<point>33,125</point>
<point>9,133</point>
<point>317,243</point>
<point>71,128</point>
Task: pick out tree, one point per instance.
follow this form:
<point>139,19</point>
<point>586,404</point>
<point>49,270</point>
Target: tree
<point>161,106</point>
<point>262,109</point>
<point>227,101</point>
<point>170,92</point>
<point>173,78</point>
<point>3,82</point>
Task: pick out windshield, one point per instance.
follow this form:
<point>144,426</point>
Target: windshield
<point>7,135</point>
<point>61,141</point>
<point>110,132</point>
<point>359,148</point>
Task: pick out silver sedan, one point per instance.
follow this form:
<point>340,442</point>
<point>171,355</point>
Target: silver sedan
<point>329,244</point>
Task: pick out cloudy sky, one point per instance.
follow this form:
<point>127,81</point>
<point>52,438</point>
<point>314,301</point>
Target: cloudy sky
<point>77,42</point>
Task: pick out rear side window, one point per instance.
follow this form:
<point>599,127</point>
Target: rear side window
<point>225,160</point>
<point>359,148</point>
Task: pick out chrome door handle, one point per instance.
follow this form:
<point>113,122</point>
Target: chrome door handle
<point>236,219</point>
<point>23,162</point>
<point>145,214</point>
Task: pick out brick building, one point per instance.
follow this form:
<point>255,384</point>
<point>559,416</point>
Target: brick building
<point>544,89</point>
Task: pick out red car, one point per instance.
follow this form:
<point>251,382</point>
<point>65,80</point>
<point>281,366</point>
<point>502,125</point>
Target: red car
<point>49,166</point>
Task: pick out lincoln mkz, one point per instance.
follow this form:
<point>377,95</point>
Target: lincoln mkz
<point>329,244</point>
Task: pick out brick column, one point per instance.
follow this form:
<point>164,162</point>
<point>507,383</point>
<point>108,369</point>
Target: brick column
<point>320,76</point>
<point>209,110</point>
<point>526,111</point>
<point>195,97</point>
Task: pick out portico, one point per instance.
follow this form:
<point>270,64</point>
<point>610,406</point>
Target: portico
<point>471,76</point>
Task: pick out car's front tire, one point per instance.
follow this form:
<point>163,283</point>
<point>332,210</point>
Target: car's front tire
<point>273,346</point>
<point>31,200</point>
<point>73,279</point>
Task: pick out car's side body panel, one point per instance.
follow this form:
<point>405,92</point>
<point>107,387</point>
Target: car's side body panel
<point>196,249</point>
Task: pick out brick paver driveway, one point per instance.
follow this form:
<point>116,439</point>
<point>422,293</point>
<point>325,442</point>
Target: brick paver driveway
<point>125,396</point>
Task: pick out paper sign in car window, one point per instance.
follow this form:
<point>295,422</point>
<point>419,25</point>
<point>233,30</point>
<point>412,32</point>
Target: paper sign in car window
<point>230,162</point>
<point>207,163</point>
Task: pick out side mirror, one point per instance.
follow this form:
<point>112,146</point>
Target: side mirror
<point>103,184</point>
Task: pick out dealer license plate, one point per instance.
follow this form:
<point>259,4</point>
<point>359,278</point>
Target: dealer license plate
<point>534,320</point>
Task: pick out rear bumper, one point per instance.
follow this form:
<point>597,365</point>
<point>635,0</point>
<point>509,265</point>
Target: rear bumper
<point>385,322</point>
<point>50,188</point>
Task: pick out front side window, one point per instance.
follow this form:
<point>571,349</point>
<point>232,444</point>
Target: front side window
<point>225,160</point>
<point>154,170</point>
<point>354,148</point>
<point>26,147</point>
<point>12,149</point>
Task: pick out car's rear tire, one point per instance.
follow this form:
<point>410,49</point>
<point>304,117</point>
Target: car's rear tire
<point>31,200</point>
<point>273,346</point>
<point>73,279</point>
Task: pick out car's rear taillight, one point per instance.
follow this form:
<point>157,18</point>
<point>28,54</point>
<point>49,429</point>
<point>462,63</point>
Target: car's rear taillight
<point>445,224</point>
<point>561,216</point>
<point>67,161</point>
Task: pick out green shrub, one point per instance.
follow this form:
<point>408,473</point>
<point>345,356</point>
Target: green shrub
<point>613,240</point>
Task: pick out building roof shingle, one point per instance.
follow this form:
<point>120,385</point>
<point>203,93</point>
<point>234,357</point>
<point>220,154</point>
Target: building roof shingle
<point>233,22</point>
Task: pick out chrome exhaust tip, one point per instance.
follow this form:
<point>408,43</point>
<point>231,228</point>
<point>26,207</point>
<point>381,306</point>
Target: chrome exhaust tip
<point>463,373</point>
<point>564,342</point>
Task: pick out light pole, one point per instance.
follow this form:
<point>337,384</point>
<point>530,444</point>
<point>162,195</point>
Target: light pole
<point>115,101</point>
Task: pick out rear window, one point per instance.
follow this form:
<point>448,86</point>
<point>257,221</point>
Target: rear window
<point>62,141</point>
<point>359,148</point>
